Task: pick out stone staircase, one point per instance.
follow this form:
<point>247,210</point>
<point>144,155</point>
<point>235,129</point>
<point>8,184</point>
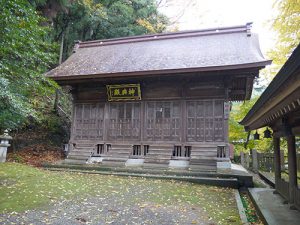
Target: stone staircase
<point>159,155</point>
<point>117,154</point>
<point>204,157</point>
<point>80,153</point>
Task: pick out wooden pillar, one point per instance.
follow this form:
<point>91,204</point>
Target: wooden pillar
<point>277,163</point>
<point>142,121</point>
<point>292,167</point>
<point>282,160</point>
<point>105,121</point>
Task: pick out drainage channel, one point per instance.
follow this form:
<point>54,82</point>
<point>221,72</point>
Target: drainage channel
<point>248,212</point>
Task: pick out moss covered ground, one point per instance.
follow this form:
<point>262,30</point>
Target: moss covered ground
<point>23,187</point>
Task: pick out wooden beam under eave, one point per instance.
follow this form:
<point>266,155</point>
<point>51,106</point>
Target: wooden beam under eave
<point>290,91</point>
<point>249,87</point>
<point>276,112</point>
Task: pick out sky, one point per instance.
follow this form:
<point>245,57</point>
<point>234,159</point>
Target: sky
<point>199,14</point>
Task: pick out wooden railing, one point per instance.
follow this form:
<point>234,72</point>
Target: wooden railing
<point>297,198</point>
<point>283,188</point>
<point>265,161</point>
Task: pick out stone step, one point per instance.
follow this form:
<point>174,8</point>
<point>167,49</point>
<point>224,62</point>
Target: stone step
<point>203,158</point>
<point>120,148</point>
<point>151,154</point>
<point>120,153</point>
<point>80,151</point>
<point>114,159</point>
<point>74,156</point>
<point>159,166</point>
<point>158,161</point>
<point>203,168</point>
<point>160,151</point>
<point>160,148</point>
<point>156,145</point>
<point>74,161</point>
<point>77,145</point>
<point>127,146</point>
<point>77,157</point>
<point>195,162</point>
<point>111,163</point>
<point>207,155</point>
<point>204,150</point>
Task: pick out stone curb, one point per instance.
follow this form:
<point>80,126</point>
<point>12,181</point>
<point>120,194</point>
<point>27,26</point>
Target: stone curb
<point>266,179</point>
<point>261,215</point>
<point>220,182</point>
<point>241,208</point>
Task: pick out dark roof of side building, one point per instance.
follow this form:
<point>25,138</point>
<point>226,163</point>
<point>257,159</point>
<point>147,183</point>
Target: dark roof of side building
<point>280,98</point>
<point>187,51</point>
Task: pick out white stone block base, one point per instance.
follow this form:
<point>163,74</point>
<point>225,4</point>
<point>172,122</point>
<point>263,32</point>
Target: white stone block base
<point>224,165</point>
<point>134,162</point>
<point>179,164</point>
<point>92,160</point>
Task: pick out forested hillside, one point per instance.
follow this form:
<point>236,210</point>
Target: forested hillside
<point>32,33</point>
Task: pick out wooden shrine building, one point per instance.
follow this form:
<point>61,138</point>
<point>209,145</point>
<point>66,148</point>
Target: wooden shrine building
<point>279,108</point>
<point>159,99</point>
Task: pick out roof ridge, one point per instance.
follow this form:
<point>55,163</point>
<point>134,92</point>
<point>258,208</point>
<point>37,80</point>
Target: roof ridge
<point>169,35</point>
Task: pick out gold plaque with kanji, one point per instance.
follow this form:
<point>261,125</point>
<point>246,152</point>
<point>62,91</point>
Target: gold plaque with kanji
<point>123,92</point>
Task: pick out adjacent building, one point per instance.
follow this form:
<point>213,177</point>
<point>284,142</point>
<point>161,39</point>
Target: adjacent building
<point>279,108</point>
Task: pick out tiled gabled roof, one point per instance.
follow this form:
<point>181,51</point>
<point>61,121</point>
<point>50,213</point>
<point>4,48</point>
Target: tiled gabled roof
<point>199,50</point>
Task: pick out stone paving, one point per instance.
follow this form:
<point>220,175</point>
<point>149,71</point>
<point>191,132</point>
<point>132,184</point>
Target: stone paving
<point>272,208</point>
<point>109,211</point>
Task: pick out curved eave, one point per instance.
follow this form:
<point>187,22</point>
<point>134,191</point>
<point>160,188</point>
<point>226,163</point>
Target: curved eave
<point>257,65</point>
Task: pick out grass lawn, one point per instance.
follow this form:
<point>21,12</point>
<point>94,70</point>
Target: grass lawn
<point>23,187</point>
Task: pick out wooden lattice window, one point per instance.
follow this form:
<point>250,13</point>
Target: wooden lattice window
<point>124,121</point>
<point>163,121</point>
<point>205,121</point>
<point>88,121</point>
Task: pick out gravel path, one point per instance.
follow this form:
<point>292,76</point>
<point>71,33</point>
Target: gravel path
<point>112,210</point>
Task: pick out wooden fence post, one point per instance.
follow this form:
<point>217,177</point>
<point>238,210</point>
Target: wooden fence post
<point>247,160</point>
<point>243,159</point>
<point>254,161</point>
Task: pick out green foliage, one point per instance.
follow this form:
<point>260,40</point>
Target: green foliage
<point>28,46</point>
<point>237,134</point>
<point>287,27</point>
<point>26,52</point>
<point>250,210</point>
<point>92,19</point>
